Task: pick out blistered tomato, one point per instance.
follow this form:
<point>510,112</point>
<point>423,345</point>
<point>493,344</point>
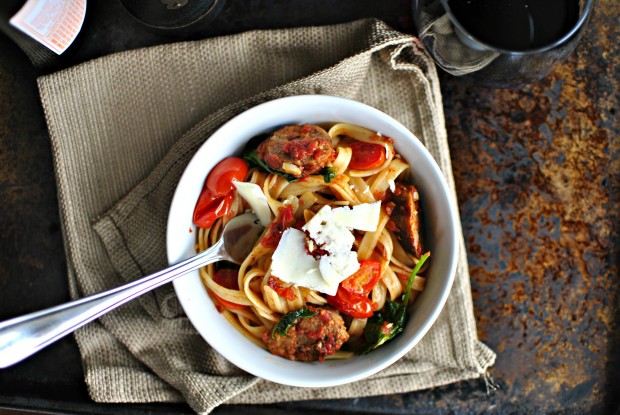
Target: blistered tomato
<point>366,156</point>
<point>217,194</point>
<point>366,277</point>
<point>354,305</point>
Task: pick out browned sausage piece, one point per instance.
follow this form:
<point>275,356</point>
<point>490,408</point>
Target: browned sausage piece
<point>310,338</point>
<point>299,150</point>
<point>402,205</point>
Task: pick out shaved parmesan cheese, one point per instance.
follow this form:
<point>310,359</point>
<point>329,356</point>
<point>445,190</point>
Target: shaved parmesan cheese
<point>253,194</point>
<point>336,268</point>
<point>364,217</point>
<point>329,230</point>
<point>291,263</point>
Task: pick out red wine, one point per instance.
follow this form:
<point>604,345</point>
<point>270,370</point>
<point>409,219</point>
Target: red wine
<point>517,25</point>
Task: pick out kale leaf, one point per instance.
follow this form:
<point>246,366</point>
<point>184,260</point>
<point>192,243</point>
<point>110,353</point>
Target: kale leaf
<point>250,155</point>
<point>253,160</point>
<point>289,319</point>
<point>328,173</point>
<point>390,322</point>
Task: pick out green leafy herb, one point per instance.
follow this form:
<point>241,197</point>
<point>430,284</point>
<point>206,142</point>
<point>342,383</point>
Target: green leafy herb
<point>250,155</point>
<point>289,319</point>
<point>390,322</point>
<point>328,173</point>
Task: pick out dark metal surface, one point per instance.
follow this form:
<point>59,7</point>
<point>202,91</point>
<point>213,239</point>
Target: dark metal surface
<point>538,180</point>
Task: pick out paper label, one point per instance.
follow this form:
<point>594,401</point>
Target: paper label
<point>53,23</point>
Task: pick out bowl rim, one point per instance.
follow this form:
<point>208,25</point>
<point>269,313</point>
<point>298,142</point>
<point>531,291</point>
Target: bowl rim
<point>370,365</point>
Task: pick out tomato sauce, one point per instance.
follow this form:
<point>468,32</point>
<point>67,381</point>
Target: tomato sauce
<point>279,287</point>
<point>285,220</point>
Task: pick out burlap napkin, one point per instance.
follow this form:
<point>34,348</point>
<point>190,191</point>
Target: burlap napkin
<point>123,128</point>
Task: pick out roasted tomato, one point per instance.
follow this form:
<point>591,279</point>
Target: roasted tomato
<point>354,305</point>
<point>220,180</point>
<point>217,194</point>
<point>210,207</point>
<point>366,156</point>
<point>366,277</point>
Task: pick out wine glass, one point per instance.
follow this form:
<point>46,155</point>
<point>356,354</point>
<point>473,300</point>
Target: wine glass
<point>500,43</point>
<point>173,17</point>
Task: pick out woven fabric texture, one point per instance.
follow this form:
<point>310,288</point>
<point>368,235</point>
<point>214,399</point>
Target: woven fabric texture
<point>123,128</point>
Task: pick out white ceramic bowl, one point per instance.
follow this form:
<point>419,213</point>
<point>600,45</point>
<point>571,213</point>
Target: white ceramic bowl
<point>440,231</point>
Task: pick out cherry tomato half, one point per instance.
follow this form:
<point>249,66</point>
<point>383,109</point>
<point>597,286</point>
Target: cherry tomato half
<point>220,180</point>
<point>227,278</point>
<point>354,305</point>
<point>366,156</point>
<point>217,195</point>
<point>210,207</point>
<point>364,279</point>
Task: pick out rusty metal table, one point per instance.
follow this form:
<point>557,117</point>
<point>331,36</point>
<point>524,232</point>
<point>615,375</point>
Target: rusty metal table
<point>538,182</point>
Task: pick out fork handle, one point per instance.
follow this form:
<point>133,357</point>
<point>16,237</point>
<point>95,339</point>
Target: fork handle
<point>23,336</point>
